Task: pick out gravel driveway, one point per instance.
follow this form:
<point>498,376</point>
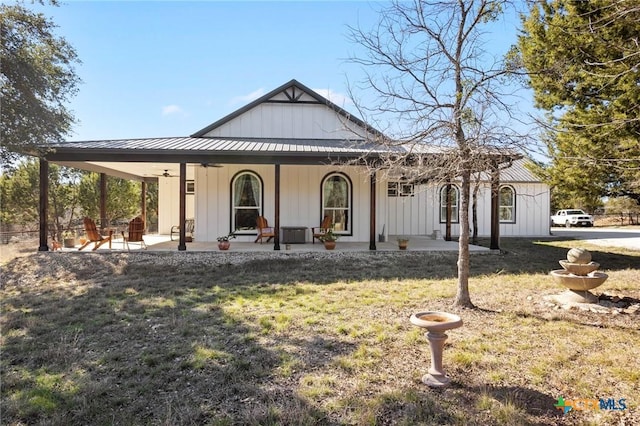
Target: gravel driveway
<point>627,237</point>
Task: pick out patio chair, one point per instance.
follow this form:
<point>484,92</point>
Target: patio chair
<point>189,226</point>
<point>136,231</point>
<point>264,230</point>
<point>94,236</point>
<point>319,231</point>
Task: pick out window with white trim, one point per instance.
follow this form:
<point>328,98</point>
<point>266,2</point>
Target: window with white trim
<point>454,196</point>
<point>507,204</point>
<point>400,189</point>
<point>336,201</point>
<point>246,202</point>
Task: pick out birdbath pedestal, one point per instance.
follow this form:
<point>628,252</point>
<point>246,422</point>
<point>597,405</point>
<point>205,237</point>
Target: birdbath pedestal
<point>436,323</point>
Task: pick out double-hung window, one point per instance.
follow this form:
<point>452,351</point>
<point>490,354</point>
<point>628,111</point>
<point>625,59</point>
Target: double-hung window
<point>507,204</point>
<point>336,201</point>
<point>454,197</point>
<point>246,196</point>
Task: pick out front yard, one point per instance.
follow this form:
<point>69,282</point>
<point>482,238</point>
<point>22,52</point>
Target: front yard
<point>317,338</point>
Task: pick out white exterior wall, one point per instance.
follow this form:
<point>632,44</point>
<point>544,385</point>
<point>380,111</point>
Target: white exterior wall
<point>420,214</point>
<point>300,204</point>
<point>295,120</point>
<point>300,199</point>
<point>168,204</point>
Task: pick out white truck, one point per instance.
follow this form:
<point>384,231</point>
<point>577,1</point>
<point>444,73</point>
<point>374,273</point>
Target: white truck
<point>571,217</point>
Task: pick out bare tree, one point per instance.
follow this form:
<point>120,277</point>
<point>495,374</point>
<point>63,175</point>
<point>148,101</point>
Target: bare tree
<point>442,98</point>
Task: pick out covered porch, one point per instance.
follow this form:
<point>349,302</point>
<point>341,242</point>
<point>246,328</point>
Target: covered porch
<point>163,243</point>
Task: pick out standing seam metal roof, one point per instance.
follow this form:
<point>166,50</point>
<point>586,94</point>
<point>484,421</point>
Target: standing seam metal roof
<point>226,144</point>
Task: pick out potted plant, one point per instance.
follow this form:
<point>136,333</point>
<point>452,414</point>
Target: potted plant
<point>403,242</point>
<point>69,239</point>
<point>223,241</point>
<point>329,239</point>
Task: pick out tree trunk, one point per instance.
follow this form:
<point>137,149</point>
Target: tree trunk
<point>462,296</point>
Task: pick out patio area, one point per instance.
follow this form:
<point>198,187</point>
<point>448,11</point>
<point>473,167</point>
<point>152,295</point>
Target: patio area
<point>163,243</point>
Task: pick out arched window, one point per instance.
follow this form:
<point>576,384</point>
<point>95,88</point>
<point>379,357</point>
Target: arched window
<point>507,204</point>
<point>454,196</point>
<point>246,202</point>
<point>336,201</point>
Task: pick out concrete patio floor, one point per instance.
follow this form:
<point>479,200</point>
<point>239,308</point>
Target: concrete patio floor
<point>163,243</point>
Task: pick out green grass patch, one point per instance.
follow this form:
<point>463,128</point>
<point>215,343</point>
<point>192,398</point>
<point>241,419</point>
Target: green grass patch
<point>293,341</point>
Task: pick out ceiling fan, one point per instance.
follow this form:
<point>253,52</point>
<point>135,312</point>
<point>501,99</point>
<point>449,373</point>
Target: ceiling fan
<point>166,174</point>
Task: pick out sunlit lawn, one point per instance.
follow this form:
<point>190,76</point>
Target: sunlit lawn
<point>183,338</point>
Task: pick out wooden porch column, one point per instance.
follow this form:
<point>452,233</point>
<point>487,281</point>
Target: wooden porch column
<point>276,228</point>
<point>495,208</point>
<point>447,235</point>
<point>182,245</point>
<point>372,211</point>
<point>143,203</point>
<point>103,201</point>
<point>44,204</point>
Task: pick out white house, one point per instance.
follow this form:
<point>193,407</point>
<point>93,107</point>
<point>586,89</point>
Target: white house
<point>284,156</point>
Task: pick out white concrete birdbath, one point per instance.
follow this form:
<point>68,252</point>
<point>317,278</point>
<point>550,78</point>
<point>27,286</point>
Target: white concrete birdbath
<point>436,324</point>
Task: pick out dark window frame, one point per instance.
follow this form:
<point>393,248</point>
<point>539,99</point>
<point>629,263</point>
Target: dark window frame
<point>455,214</point>
<point>512,207</point>
<point>232,207</point>
<point>350,216</point>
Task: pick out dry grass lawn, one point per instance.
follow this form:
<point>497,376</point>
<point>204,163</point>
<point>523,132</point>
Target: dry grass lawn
<point>222,338</point>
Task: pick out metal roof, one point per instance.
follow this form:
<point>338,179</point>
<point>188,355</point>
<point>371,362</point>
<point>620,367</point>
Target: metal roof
<point>224,144</point>
<point>518,172</point>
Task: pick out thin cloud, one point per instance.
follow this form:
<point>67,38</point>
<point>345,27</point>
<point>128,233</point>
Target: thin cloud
<point>172,110</point>
<point>249,97</point>
<point>339,99</point>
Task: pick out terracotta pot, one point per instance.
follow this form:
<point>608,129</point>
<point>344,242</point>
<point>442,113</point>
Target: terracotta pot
<point>69,242</point>
<point>402,245</point>
<point>224,245</point>
<point>329,245</point>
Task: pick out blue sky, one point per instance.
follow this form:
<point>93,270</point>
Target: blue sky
<point>162,68</point>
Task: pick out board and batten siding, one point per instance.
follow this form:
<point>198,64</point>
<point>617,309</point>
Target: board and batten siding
<point>289,120</point>
<point>300,204</point>
<point>168,205</point>
<point>300,199</point>
<point>420,214</point>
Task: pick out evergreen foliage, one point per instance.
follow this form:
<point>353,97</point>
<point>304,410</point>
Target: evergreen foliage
<point>37,78</point>
<point>583,63</point>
